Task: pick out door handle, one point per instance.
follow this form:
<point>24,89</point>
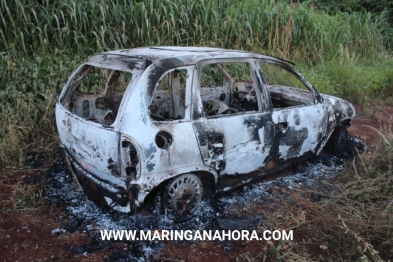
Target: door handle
<point>215,141</point>
<point>283,125</point>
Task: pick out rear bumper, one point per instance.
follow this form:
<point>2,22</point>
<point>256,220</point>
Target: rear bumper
<point>104,192</point>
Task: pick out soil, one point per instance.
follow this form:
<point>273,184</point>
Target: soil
<point>38,225</point>
<point>370,119</point>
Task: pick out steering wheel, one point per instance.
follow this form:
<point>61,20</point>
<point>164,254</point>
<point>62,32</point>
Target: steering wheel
<point>215,107</point>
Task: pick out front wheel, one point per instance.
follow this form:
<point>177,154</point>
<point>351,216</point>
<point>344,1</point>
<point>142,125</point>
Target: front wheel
<point>182,197</point>
<point>337,141</point>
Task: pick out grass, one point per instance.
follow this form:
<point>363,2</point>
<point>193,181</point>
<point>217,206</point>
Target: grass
<point>28,197</point>
<point>355,81</point>
<point>29,90</point>
<point>295,31</point>
<point>354,218</point>
<point>42,42</point>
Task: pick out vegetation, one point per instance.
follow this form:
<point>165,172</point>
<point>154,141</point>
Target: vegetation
<point>43,41</point>
<point>350,6</point>
<point>294,31</point>
<point>29,89</point>
<point>356,81</point>
<point>353,219</point>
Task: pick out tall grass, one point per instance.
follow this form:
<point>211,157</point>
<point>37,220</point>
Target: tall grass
<point>293,31</point>
<point>39,40</point>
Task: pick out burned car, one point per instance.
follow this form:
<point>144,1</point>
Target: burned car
<point>173,120</point>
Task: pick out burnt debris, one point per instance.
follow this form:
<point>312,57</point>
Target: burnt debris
<point>215,212</point>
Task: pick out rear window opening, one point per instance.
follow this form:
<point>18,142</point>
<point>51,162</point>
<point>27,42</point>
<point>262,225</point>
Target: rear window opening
<point>96,93</point>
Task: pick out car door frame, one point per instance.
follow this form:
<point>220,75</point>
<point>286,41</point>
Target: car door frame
<point>300,130</point>
<point>213,136</point>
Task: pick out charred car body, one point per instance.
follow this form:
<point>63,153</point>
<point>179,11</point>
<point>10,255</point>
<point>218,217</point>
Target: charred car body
<point>132,121</point>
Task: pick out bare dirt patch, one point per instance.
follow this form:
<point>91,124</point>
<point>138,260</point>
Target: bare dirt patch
<point>369,120</point>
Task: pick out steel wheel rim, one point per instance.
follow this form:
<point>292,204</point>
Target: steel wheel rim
<point>183,196</point>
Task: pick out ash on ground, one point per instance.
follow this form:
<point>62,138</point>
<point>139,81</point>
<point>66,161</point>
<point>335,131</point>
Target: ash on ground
<point>231,210</point>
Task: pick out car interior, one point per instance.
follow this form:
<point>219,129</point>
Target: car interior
<point>97,93</point>
<point>227,88</point>
<point>168,100</point>
<point>285,89</point>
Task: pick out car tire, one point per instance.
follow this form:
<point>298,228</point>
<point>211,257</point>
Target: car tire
<point>337,141</point>
<point>182,197</point>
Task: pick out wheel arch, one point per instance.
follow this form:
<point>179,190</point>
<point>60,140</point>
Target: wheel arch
<point>207,175</point>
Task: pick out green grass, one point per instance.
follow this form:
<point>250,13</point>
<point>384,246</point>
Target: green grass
<point>41,43</point>
<point>357,82</point>
<point>293,31</point>
<point>29,90</point>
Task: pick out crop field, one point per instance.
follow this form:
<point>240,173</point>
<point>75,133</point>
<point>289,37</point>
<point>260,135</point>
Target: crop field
<point>41,42</point>
<point>343,54</point>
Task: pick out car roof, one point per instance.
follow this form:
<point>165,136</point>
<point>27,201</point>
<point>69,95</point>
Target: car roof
<point>188,54</point>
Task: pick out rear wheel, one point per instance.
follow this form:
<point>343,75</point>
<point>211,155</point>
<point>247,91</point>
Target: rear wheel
<point>182,197</point>
<point>337,141</point>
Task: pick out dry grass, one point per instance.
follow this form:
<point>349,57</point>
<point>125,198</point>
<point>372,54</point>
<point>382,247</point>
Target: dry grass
<point>353,221</point>
<point>28,197</point>
<point>27,194</point>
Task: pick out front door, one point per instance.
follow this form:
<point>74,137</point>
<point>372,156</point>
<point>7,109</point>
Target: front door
<point>299,131</point>
<point>300,120</point>
<point>234,132</point>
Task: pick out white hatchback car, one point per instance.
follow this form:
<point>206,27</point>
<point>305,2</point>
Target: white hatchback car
<point>173,119</point>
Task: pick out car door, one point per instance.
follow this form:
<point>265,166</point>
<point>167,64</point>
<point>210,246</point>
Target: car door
<point>233,127</point>
<point>169,140</point>
<point>299,118</point>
